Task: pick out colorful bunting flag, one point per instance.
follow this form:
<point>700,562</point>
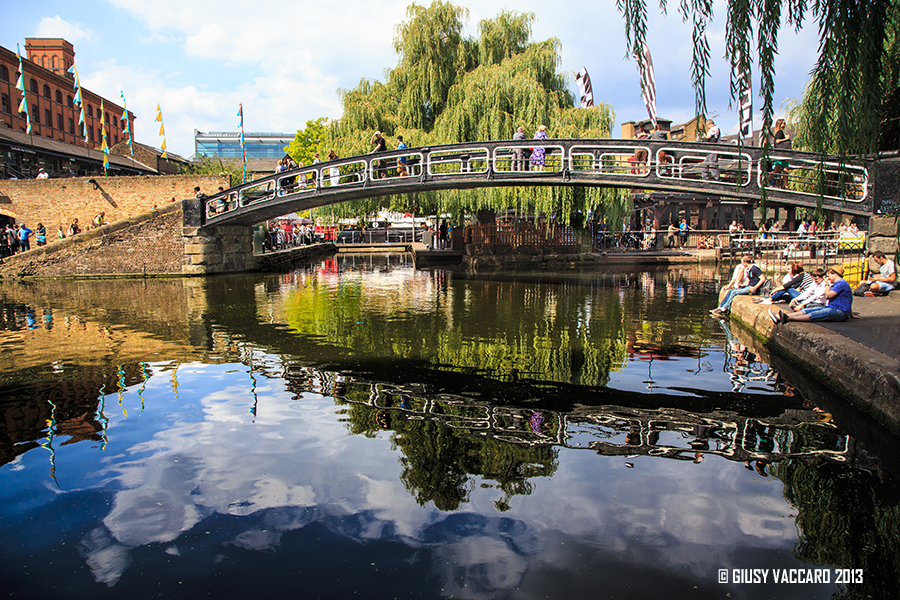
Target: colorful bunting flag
<point>78,100</point>
<point>162,132</point>
<point>20,85</point>
<point>104,147</point>
<point>127,122</point>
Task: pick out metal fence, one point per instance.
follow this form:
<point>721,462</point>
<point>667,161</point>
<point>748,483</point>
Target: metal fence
<point>521,234</point>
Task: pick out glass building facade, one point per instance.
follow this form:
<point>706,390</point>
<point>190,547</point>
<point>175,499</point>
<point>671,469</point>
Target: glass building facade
<point>228,145</point>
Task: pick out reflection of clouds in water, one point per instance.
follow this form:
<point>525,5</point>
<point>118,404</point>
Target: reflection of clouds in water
<point>257,539</point>
<point>479,567</point>
<point>296,464</point>
<point>106,559</point>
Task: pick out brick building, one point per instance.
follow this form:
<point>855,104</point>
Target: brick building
<point>54,116</point>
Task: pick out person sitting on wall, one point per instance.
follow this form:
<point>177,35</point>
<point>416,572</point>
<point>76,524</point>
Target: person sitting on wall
<point>794,283</point>
<point>840,302</point>
<point>881,282</point>
<point>814,297</point>
<point>747,279</point>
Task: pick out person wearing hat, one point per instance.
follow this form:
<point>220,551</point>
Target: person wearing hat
<point>42,174</point>
<point>840,302</point>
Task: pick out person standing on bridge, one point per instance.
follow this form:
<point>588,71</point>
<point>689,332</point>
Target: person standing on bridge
<point>537,154</point>
<point>519,157</point>
<point>380,146</point>
<point>712,159</point>
<point>401,161</point>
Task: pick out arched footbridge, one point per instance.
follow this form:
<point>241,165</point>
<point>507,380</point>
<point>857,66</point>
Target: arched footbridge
<point>675,167</point>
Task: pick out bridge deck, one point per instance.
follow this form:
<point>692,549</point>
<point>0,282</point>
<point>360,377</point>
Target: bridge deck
<point>734,172</point>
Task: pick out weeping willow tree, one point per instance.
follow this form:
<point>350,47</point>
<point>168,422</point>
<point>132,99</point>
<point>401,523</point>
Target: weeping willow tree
<point>449,88</point>
<point>818,125</point>
<point>851,105</point>
<point>848,84</point>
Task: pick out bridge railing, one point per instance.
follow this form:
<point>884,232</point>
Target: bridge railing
<point>520,234</point>
<point>733,171</point>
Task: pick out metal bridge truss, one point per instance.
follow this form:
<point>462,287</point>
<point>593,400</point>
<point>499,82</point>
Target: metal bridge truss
<point>675,167</point>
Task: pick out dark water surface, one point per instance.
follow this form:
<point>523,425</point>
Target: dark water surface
<point>362,429</point>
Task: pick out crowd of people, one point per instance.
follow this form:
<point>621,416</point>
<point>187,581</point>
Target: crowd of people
<point>823,295</point>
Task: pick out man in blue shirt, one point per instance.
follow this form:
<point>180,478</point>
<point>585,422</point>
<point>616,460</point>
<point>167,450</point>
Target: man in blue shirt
<point>840,302</point>
<point>24,234</point>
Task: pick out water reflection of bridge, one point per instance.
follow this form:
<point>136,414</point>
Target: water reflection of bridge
<point>795,434</point>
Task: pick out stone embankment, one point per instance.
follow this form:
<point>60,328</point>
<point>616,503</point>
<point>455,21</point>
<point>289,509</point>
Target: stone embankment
<point>144,244</point>
<point>842,358</point>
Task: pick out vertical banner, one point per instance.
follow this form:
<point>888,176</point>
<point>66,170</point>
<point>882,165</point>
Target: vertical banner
<point>162,132</point>
<point>243,150</point>
<point>104,147</point>
<point>20,85</point>
<point>78,100</point>
<point>584,88</point>
<point>648,81</point>
<point>746,103</point>
<point>127,122</point>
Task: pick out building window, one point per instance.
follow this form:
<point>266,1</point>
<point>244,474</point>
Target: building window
<point>59,121</point>
<point>4,104</point>
<point>46,91</point>
<point>4,73</point>
<point>107,118</point>
<point>90,111</point>
<point>71,104</point>
<point>91,133</point>
<point>35,114</point>
<point>58,97</point>
<point>115,139</point>
<point>34,86</point>
<point>48,120</point>
<point>71,126</point>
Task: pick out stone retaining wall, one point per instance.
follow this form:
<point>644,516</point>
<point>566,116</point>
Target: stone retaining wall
<point>56,202</point>
<point>145,244</point>
<point>883,233</point>
<point>865,377</point>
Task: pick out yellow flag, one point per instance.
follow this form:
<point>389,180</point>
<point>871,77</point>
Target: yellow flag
<point>162,130</point>
<point>158,114</point>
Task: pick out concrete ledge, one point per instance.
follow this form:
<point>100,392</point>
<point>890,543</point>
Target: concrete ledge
<point>867,378</point>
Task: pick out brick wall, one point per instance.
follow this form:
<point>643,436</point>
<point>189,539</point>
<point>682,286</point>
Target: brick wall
<point>56,202</point>
<point>151,244</point>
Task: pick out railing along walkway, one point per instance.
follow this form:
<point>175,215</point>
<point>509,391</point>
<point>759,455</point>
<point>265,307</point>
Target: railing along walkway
<point>680,167</point>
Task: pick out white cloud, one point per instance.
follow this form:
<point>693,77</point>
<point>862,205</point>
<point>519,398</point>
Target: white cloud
<point>56,27</point>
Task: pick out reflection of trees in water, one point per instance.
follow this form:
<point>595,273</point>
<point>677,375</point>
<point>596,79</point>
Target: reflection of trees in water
<point>848,519</point>
<point>446,440</point>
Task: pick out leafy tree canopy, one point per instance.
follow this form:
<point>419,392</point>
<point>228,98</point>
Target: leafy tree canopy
<point>448,88</point>
<point>308,142</point>
<point>850,91</point>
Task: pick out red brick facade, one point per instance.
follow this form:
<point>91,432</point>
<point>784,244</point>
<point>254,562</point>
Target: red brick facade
<point>50,93</point>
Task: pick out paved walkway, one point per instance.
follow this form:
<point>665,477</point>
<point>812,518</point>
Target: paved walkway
<point>878,325</point>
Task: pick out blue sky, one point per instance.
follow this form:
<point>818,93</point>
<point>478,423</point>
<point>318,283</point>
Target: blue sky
<point>198,59</point>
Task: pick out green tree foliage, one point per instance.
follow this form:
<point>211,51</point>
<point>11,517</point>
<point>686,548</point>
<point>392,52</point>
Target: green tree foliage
<point>817,119</point>
<point>308,142</point>
<point>850,89</point>
<point>215,165</point>
<point>448,88</point>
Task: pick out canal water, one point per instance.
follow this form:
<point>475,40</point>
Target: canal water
<point>359,428</point>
